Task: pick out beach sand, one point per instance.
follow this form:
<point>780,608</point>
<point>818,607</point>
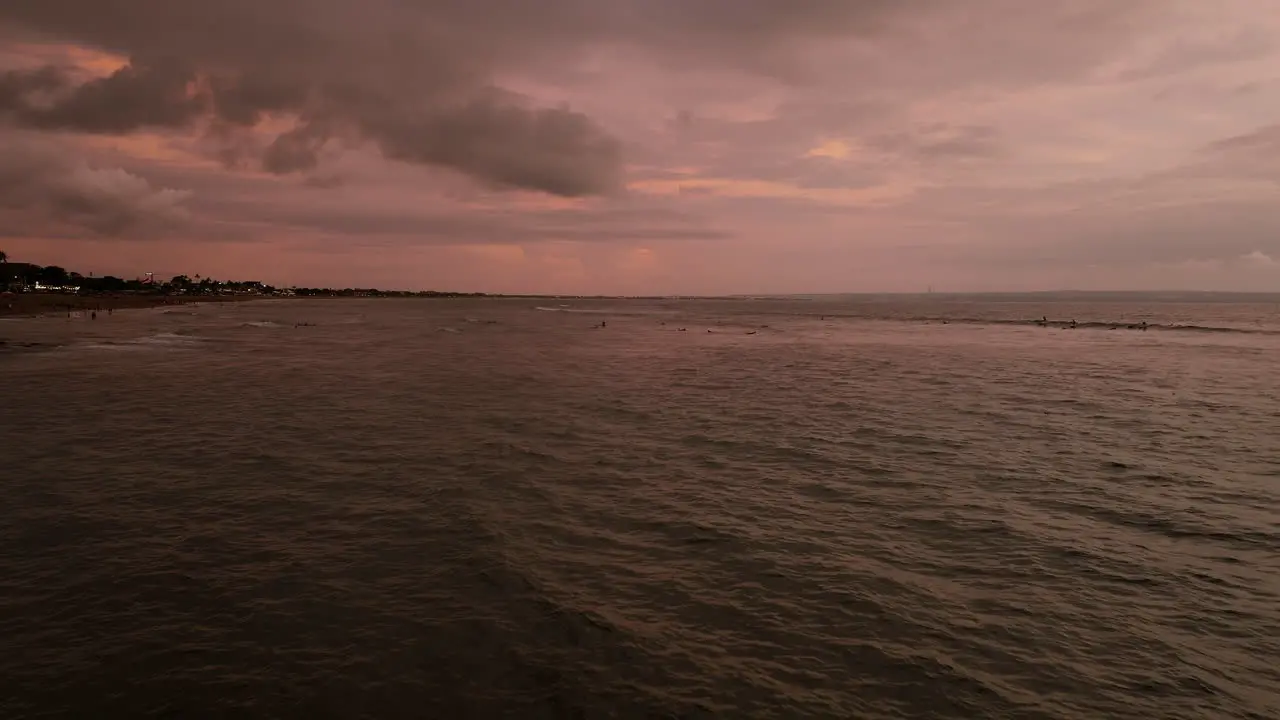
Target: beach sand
<point>57,304</point>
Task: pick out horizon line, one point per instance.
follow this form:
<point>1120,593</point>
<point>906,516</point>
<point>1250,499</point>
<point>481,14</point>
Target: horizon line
<point>745,295</point>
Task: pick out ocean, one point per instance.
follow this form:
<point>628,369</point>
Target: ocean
<point>822,507</point>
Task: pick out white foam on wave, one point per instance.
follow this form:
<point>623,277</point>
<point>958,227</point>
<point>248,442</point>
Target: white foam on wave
<point>617,311</point>
<point>167,338</point>
<point>261,324</point>
<point>584,311</point>
<point>163,340</point>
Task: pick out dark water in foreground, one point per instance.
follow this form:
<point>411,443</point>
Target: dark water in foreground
<point>479,509</point>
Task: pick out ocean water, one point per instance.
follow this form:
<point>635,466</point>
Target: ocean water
<point>864,507</point>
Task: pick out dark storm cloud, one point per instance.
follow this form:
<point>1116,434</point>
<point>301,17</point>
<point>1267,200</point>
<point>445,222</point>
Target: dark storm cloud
<point>20,88</point>
<point>296,150</point>
<point>138,95</point>
<point>494,137</point>
<point>505,143</point>
<point>416,77</point>
<point>42,190</point>
<point>413,76</point>
<point>243,100</point>
<point>357,69</point>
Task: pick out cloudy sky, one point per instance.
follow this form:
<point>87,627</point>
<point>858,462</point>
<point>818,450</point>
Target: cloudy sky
<point>647,146</point>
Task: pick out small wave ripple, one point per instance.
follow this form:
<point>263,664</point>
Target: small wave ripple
<point>371,520</point>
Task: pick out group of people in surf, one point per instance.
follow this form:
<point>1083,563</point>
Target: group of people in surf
<point>1044,322</point>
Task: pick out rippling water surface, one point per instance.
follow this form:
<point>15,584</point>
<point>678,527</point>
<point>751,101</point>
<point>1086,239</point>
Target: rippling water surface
<point>828,508</point>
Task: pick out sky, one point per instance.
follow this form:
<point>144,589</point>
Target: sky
<point>647,146</point>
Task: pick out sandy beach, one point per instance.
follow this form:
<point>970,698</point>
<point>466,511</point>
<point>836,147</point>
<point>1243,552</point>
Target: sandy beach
<point>52,304</point>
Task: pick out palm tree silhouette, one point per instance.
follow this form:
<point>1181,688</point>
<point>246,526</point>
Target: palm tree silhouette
<point>4,257</point>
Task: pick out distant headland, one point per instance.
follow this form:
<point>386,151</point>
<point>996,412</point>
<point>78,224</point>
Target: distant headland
<point>32,289</point>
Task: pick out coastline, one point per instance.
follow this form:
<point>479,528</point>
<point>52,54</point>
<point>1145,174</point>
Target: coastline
<point>56,304</point>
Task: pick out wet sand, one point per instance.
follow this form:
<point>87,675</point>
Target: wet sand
<point>53,304</point>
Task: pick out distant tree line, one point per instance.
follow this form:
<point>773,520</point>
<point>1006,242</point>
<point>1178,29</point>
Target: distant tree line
<point>26,275</point>
<point>21,276</point>
<point>29,274</point>
<point>209,286</point>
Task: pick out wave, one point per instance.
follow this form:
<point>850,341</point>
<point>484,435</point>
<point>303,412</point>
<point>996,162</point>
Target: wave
<point>613,312</point>
<point>675,529</point>
<point>1215,329</point>
<point>12,346</point>
<point>1098,325</point>
<point>167,338</point>
<point>162,340</point>
<point>260,324</point>
<point>587,311</point>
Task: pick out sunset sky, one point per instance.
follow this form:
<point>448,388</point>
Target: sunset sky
<point>647,146</point>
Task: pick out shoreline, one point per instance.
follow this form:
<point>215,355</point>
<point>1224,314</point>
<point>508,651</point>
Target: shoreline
<point>36,305</point>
